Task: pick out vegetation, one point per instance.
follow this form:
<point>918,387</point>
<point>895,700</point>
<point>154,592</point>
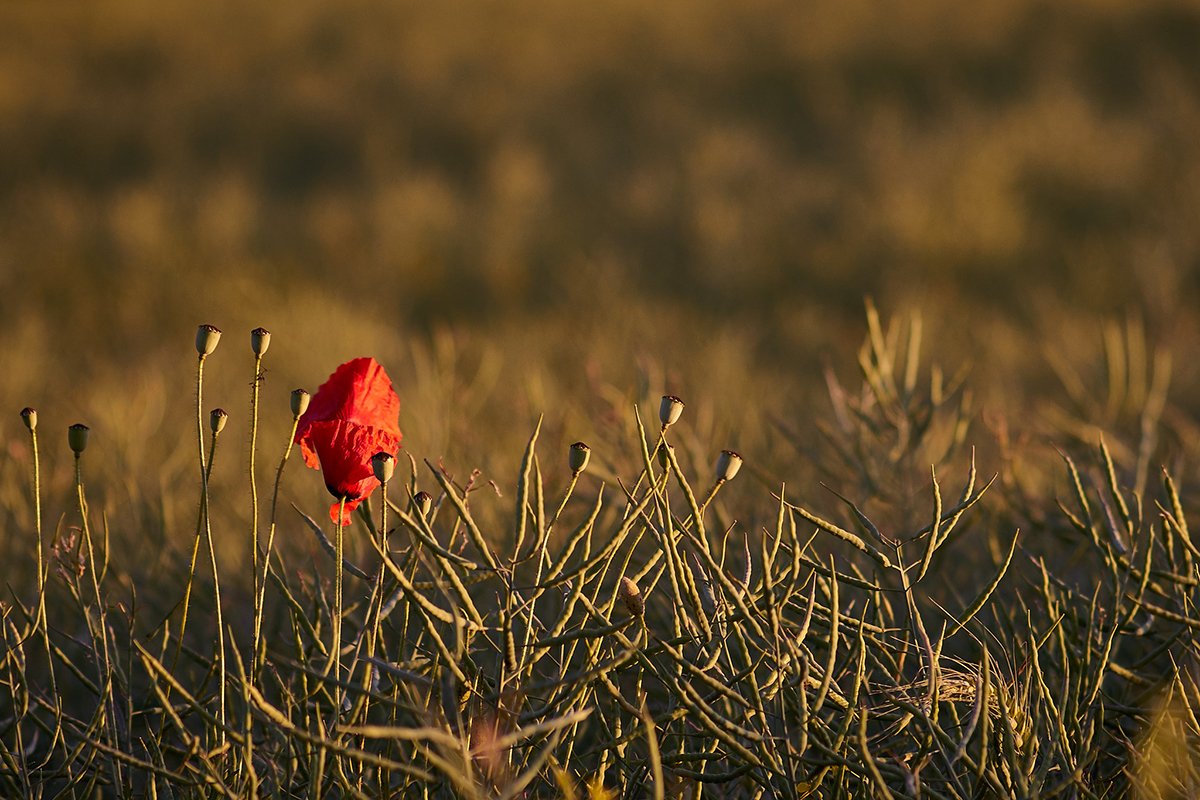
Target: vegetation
<point>954,562</point>
<point>647,633</point>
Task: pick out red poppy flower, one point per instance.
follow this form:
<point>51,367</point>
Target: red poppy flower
<point>354,415</point>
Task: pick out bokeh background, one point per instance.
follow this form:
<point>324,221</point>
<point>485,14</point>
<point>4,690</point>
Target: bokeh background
<point>567,208</point>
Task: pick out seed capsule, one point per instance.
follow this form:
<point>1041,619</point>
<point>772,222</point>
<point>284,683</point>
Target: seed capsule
<point>384,466</point>
<point>207,337</point>
<point>423,502</point>
<point>578,456</point>
<point>217,419</point>
<point>669,410</point>
<point>77,437</point>
<point>664,457</point>
<point>260,340</point>
<point>631,596</point>
<point>728,464</point>
<point>29,417</point>
<point>300,401</point>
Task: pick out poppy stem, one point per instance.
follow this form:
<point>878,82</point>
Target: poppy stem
<point>41,621</point>
<point>258,376</point>
<point>335,652</point>
<point>260,596</point>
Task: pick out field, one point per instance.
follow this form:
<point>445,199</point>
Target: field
<point>930,273</point>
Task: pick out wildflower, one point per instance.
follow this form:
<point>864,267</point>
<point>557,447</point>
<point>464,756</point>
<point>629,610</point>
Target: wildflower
<point>29,417</point>
<point>353,416</point>
<point>217,419</point>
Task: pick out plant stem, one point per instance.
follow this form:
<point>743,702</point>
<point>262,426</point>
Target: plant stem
<point>254,556</point>
<point>260,598</point>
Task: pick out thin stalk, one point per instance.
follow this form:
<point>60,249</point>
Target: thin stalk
<point>260,597</point>
<point>254,556</point>
<point>41,622</point>
<point>212,554</point>
<point>205,472</point>
<point>104,670</point>
<point>335,662</point>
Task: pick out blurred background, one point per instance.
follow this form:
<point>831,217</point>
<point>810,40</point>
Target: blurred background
<point>537,206</point>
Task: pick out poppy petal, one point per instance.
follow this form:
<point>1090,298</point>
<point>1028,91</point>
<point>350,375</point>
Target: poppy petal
<point>353,416</point>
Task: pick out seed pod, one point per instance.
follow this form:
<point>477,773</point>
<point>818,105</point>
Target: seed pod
<point>728,464</point>
<point>384,466</point>
<point>300,401</point>
<point>664,460</point>
<point>631,596</point>
<point>217,419</point>
<point>423,502</point>
<point>708,599</point>
<point>260,340</point>
<point>669,410</point>
<point>77,437</point>
<point>29,417</point>
<point>207,337</point>
<point>578,456</point>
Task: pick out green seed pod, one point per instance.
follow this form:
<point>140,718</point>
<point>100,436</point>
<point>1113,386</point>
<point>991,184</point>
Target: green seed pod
<point>669,410</point>
<point>29,417</point>
<point>423,502</point>
<point>384,466</point>
<point>300,400</point>
<point>728,464</point>
<point>578,456</point>
<point>217,419</point>
<point>207,337</point>
<point>77,437</point>
<point>260,340</point>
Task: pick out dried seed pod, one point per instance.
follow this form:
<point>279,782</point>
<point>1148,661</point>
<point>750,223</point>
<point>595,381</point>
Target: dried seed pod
<point>578,456</point>
<point>423,503</point>
<point>260,340</point>
<point>300,401</point>
<point>663,451</point>
<point>631,596</point>
<point>384,466</point>
<point>728,464</point>
<point>77,437</point>
<point>207,337</point>
<point>29,417</point>
<point>669,410</point>
<point>217,419</point>
<point>708,599</point>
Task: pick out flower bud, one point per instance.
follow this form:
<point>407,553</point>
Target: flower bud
<point>77,437</point>
<point>300,400</point>
<point>207,337</point>
<point>669,410</point>
<point>384,466</point>
<point>578,456</point>
<point>217,419</point>
<point>260,340</point>
<point>29,417</point>
<point>728,464</point>
<point>631,596</point>
<point>423,502</point>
